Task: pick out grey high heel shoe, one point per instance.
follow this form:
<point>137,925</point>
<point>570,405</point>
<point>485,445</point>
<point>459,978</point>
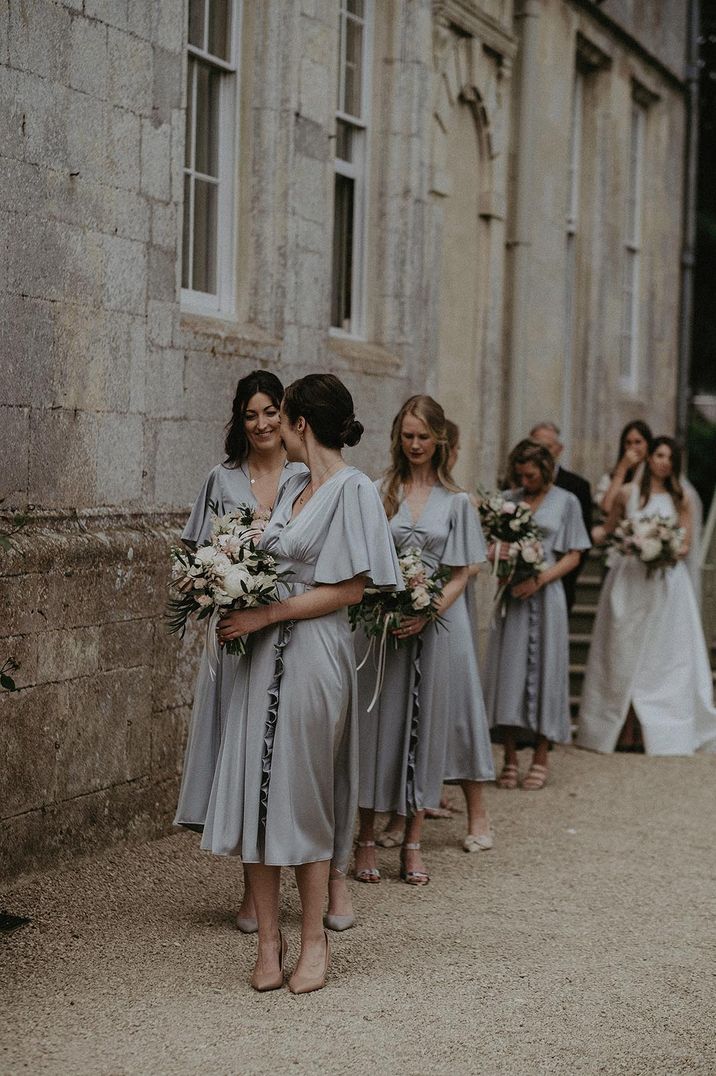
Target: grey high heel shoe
<point>337,922</point>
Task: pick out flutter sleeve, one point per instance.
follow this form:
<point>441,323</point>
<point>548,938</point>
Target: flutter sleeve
<point>198,526</point>
<point>465,541</point>
<point>572,534</point>
<point>358,541</point>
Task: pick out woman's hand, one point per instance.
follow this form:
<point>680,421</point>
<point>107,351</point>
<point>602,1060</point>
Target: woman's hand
<point>526,589</point>
<point>240,622</point>
<point>599,534</point>
<point>412,625</point>
<point>501,550</point>
<point>631,458</point>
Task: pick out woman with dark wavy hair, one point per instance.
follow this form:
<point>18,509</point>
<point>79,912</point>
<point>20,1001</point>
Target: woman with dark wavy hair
<point>286,785</point>
<point>253,472</point>
<point>648,673</point>
<point>527,660</point>
<point>634,441</point>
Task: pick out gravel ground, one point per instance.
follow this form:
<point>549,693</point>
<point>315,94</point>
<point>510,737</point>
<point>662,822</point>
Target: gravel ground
<point>583,943</point>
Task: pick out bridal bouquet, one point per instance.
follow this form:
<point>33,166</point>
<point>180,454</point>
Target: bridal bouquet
<point>227,572</point>
<point>654,540</point>
<point>504,521</point>
<point>378,613</point>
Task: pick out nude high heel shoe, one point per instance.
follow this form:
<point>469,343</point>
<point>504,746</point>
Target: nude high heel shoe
<point>305,984</point>
<point>263,983</point>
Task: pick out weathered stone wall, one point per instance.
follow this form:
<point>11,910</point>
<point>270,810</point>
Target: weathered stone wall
<point>90,744</point>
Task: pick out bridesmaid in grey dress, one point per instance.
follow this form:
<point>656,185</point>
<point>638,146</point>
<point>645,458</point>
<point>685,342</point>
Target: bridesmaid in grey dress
<point>527,661</point>
<point>286,785</point>
<point>429,724</point>
<point>253,472</point>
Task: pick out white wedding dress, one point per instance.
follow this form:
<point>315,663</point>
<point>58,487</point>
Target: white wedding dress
<point>648,651</point>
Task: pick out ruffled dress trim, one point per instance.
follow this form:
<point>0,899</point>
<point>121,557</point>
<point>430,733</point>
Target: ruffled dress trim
<point>274,693</point>
<point>533,658</point>
<point>410,795</point>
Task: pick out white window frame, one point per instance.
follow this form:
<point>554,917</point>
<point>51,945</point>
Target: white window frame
<point>357,170</point>
<point>574,179</point>
<point>630,342</point>
<point>223,302</point>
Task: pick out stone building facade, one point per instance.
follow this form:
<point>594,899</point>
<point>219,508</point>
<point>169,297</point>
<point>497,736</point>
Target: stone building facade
<point>488,208</point>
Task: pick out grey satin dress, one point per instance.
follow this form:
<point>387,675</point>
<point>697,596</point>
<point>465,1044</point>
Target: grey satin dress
<point>526,672</point>
<point>429,724</point>
<point>225,488</point>
<point>286,785</point>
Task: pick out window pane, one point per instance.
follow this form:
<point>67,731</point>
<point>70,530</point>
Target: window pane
<point>342,254</point>
<point>354,69</point>
<point>196,23</point>
<point>204,260</point>
<point>344,141</point>
<point>186,236</point>
<point>219,28</point>
<point>207,120</point>
<point>191,67</point>
<point>355,7</point>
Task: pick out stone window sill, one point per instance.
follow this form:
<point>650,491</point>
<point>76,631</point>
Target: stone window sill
<point>359,356</point>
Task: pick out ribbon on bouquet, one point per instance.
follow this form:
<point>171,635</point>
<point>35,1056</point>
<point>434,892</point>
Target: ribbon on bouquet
<point>382,648</point>
<point>212,644</point>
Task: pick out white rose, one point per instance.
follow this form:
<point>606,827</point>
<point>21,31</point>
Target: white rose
<point>508,508</point>
<point>421,598</point>
<point>221,564</point>
<point>235,580</point>
<point>530,554</point>
<point>206,555</point>
<point>650,549</point>
<point>222,598</point>
<point>515,525</point>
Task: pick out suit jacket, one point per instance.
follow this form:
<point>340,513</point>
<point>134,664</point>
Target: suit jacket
<point>579,486</point>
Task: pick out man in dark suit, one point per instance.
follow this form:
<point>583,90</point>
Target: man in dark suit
<point>547,434</point>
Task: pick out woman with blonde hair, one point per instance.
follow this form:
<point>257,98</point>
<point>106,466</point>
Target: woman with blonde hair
<point>429,724</point>
<point>527,662</point>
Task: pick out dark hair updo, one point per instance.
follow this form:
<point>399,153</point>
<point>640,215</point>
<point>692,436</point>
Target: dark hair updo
<point>236,444</point>
<point>327,406</point>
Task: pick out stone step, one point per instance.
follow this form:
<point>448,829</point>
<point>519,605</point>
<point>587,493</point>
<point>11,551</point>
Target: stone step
<point>588,588</point>
<point>576,678</point>
<point>581,619</point>
<point>579,647</point>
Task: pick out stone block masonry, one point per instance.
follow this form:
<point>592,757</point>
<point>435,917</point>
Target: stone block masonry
<point>91,743</point>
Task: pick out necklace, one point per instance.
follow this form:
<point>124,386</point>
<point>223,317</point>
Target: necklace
<point>313,486</point>
<point>253,481</point>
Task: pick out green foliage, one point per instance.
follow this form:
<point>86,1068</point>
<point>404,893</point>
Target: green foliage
<point>701,447</point>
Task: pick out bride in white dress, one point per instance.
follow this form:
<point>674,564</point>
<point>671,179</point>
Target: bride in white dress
<point>648,650</point>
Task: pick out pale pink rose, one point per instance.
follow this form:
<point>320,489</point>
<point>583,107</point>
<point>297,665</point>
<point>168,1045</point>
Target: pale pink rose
<point>203,600</point>
<point>508,508</point>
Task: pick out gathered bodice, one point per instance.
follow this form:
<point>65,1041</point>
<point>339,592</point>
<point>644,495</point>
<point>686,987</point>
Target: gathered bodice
<point>659,504</point>
<point>447,530</point>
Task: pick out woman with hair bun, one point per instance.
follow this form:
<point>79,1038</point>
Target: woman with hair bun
<point>253,472</point>
<point>527,661</point>
<point>286,785</point>
<point>429,724</point>
<point>648,661</point>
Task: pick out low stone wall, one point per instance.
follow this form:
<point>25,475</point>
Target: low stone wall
<point>91,742</point>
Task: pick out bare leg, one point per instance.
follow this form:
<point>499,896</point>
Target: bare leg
<point>478,820</point>
<point>393,832</point>
<point>247,910</point>
<point>365,857</point>
<point>508,777</point>
<point>339,897</point>
<point>541,752</point>
<point>412,858</point>
<point>265,883</point>
<point>510,748</point>
<point>312,881</point>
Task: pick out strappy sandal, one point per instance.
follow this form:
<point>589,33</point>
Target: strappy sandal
<point>412,877</point>
<point>508,777</point>
<point>371,875</point>
<point>535,778</point>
